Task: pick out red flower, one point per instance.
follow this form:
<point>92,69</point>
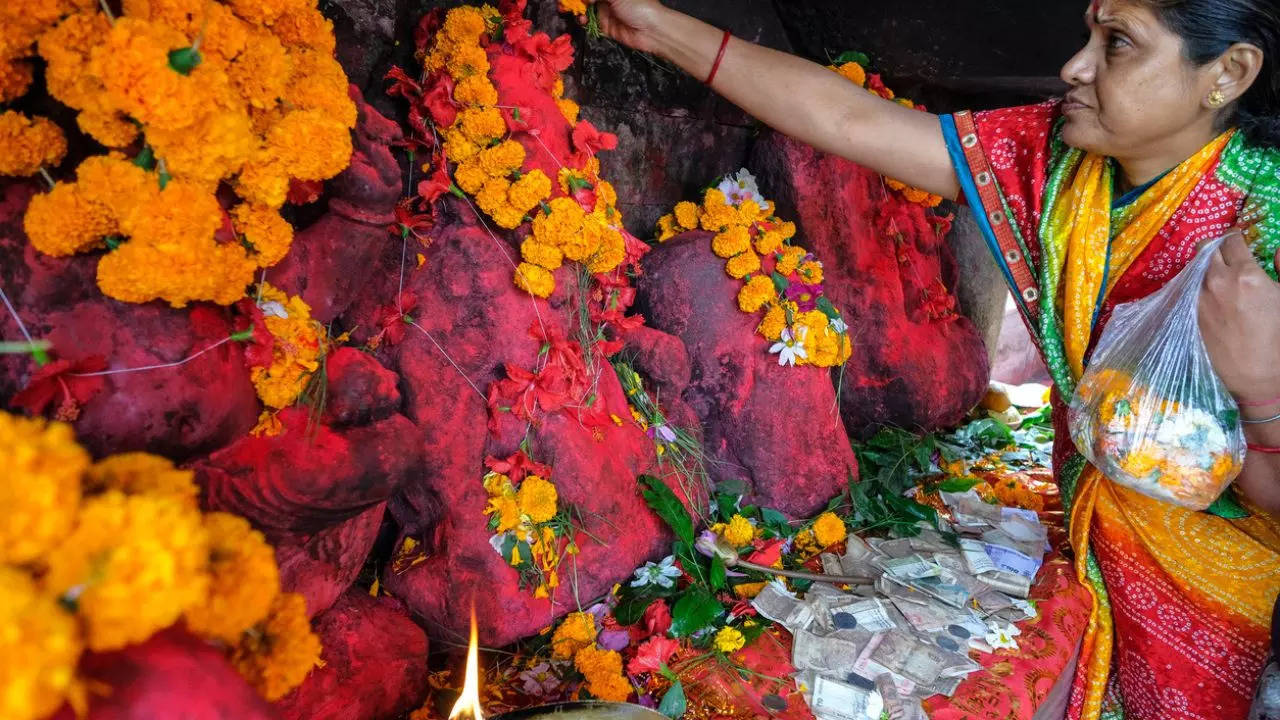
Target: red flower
<point>259,348</point>
<point>391,319</point>
<point>588,140</point>
<point>524,392</point>
<point>767,554</point>
<point>652,655</point>
<point>57,380</point>
<point>550,57</point>
<point>425,32</point>
<point>657,618</point>
<point>414,223</point>
<point>517,467</point>
<point>302,192</point>
<point>517,118</point>
<point>439,101</point>
<point>437,183</point>
<point>405,87</point>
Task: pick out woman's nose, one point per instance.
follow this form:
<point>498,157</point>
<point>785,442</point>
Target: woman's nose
<point>1080,69</point>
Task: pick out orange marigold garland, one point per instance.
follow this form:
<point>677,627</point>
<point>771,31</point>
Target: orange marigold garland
<point>105,555</point>
<point>236,93</point>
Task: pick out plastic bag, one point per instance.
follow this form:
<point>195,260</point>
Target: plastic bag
<point>1150,412</point>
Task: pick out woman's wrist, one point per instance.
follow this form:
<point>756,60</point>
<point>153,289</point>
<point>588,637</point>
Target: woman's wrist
<point>686,41</point>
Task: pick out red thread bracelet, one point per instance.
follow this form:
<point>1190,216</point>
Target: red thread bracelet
<point>715,67</point>
<point>1264,449</point>
<point>1267,403</point>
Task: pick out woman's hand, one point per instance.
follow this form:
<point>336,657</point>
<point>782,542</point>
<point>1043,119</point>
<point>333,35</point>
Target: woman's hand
<point>631,22</point>
<point>1240,322</point>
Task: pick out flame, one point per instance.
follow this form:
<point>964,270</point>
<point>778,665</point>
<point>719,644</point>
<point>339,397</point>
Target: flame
<point>468,705</point>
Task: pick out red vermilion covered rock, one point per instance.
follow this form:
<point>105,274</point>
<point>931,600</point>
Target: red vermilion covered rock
<point>375,664</point>
<point>917,363</point>
<point>322,566</point>
<point>360,390</point>
<point>172,675</point>
<point>775,428</point>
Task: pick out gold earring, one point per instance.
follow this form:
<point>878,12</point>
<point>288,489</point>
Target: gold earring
<point>1216,98</point>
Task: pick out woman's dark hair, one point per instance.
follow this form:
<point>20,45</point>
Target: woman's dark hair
<point>1209,27</point>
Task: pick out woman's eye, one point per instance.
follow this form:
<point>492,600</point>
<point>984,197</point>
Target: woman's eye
<point>1117,41</point>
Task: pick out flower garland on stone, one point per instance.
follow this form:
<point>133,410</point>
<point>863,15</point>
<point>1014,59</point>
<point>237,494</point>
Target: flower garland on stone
<point>287,349</point>
<point>851,67</point>
<point>531,532</point>
<point>100,556</point>
<point>780,279</point>
<point>188,97</point>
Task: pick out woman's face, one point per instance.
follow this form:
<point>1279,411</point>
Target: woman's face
<point>1131,86</point>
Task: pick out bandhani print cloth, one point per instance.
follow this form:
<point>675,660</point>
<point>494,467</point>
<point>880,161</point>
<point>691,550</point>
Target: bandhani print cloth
<point>1182,600</point>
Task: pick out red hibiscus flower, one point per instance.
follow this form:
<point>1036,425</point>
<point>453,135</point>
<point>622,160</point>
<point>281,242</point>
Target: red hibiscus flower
<point>657,618</point>
<point>517,467</point>
<point>652,655</point>
<point>57,381</point>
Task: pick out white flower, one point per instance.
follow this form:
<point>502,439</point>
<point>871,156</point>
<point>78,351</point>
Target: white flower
<point>839,325</point>
<point>662,574</point>
<point>497,541</point>
<point>1002,637</point>
<point>272,307</point>
<point>789,347</point>
<point>740,187</point>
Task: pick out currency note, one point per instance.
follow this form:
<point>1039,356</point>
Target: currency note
<point>975,556</point>
<point>1010,560</point>
<point>871,615</point>
<point>840,701</point>
<point>911,567</point>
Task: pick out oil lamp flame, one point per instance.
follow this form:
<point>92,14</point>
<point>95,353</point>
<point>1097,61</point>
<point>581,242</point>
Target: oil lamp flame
<point>468,705</point>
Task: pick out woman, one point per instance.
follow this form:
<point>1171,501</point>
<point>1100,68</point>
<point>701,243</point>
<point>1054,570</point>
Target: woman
<point>1167,138</point>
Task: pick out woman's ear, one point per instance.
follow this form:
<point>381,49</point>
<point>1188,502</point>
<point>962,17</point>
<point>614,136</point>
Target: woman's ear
<point>1237,70</point>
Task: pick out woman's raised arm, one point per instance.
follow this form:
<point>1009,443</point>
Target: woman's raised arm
<point>792,95</point>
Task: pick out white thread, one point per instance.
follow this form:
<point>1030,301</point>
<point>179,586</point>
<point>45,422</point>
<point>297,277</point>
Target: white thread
<point>160,366</point>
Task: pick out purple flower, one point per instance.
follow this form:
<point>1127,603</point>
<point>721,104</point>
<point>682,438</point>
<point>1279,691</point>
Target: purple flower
<point>614,639</point>
<point>804,296</point>
<point>539,680</point>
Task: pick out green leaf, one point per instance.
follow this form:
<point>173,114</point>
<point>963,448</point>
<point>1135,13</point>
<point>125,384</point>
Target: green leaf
<point>726,506</point>
<point>630,610</point>
<point>751,633</point>
<point>146,158</point>
<point>957,485</point>
<point>578,183</point>
<point>780,283</point>
<point>668,507</point>
<point>164,179</point>
<point>457,191</point>
<point>776,522</point>
<point>717,573</point>
<point>1226,506</point>
<point>828,309</point>
<point>851,56</point>
<point>695,610</point>
<point>112,241</point>
<point>243,336</point>
<point>673,703</point>
<point>184,60</point>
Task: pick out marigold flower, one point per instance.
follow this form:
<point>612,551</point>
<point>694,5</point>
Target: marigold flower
<point>787,229</point>
<point>729,640</point>
<point>15,78</point>
<point>576,631</point>
<point>577,7</point>
<point>493,194</point>
<point>718,216</point>
<point>739,531</point>
<point>467,61</point>
<point>319,83</point>
<point>569,110</point>
<point>535,280</point>
<point>295,353</point>
<point>481,125</point>
<point>184,15</point>
<point>829,529</point>
<point>198,270</point>
<point>39,649</point>
<point>475,90</point>
<point>457,148</point>
<point>743,264</point>
<point>731,242</point>
<point>497,484</point>
<point>768,241</point>
<point>853,72</point>
<point>541,254</point>
<point>111,128</point>
<point>562,221</point>
<point>212,148</point>
<point>305,27</point>
<point>557,88</point>
<point>773,323</point>
<point>667,227</point>
<point>65,50</point>
<point>611,253</point>
<point>263,181</point>
<point>40,490</point>
<point>501,159</point>
<point>507,510</point>
<point>470,176</point>
<point>507,216</point>
<point>132,566</point>
<point>310,144</point>
<point>264,12</point>
<point>603,670</point>
<point>811,272</point>
<point>463,25</point>
<point>789,260</point>
<point>262,70</point>
<point>27,144</point>
<point>537,498</point>
<point>244,579</point>
<point>755,293</point>
<point>116,184</point>
<point>532,188</point>
<point>749,212</point>
<point>62,222</point>
<point>224,35</point>
<point>133,62</point>
<point>139,473</point>
<point>276,656</point>
<point>712,199</point>
<point>264,229</point>
<point>687,213</point>
<point>606,195</point>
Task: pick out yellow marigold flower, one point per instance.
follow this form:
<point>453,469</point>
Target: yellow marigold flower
<point>718,217</point>
<point>729,640</point>
<point>268,233</point>
<point>493,194</point>
<point>263,181</point>
<point>583,245</point>
<point>463,25</point>
<point>212,148</point>
<point>26,144</point>
<point>174,216</point>
<point>457,148</point>
<point>787,229</point>
<point>603,670</point>
<point>687,213</point>
<point>535,280</point>
<point>667,227</point>
<point>319,83</point>
<point>116,184</point>
<point>749,212</point>
<point>276,656</point>
<point>65,50</point>
<point>501,159</point>
<point>768,242</point>
<point>537,498</point>
<point>606,195</point>
<point>811,272</point>
<point>507,216</point>
<point>466,61</point>
<point>184,15</point>
<point>475,90</point>
<point>739,531</point>
<point>261,71</point>
<point>829,529</point>
<point>39,648</point>
<point>62,222</point>
<point>713,199</point>
<point>743,264</point>
<point>310,144</point>
<point>731,242</point>
<point>139,473</point>
<point>532,188</point>
<point>481,125</point>
<point>557,88</point>
<point>15,78</point>
<point>133,63</point>
<point>789,260</point>
<point>263,12</point>
<point>305,26</point>
<point>244,579</point>
<point>559,225</point>
<point>746,591</point>
<point>507,509</point>
<point>577,631</point>
<point>40,490</point>
<point>577,7</point>
<point>611,252</point>
<point>569,110</point>
<point>541,254</point>
<point>132,566</point>
<point>224,35</point>
<point>498,484</point>
<point>199,270</point>
<point>753,295</point>
<point>773,323</point>
<point>853,72</point>
<point>295,353</point>
<point>110,128</point>
<point>470,177</point>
